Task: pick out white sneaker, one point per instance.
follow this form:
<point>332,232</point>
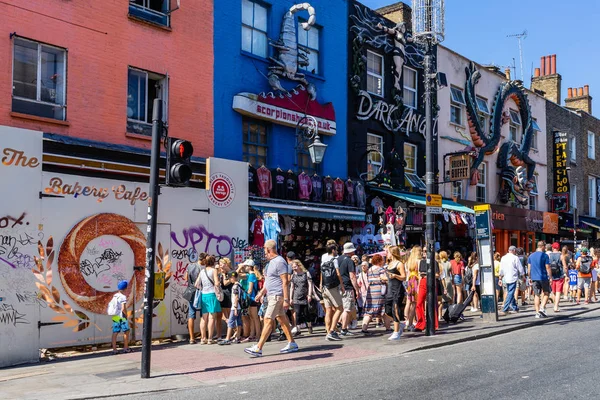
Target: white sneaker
<point>354,324</point>
<point>395,336</point>
<point>473,309</point>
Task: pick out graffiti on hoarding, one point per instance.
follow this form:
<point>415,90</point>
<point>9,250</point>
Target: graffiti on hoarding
<point>180,310</point>
<point>10,253</point>
<point>199,236</point>
<point>12,221</point>
<point>17,158</point>
<point>31,298</point>
<point>239,243</point>
<point>10,316</point>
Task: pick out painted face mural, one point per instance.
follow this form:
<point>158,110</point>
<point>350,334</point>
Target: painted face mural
<point>98,252</point>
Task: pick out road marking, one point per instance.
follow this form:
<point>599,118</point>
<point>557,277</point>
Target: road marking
<point>525,377</point>
<point>431,360</point>
<point>222,385</point>
<point>243,392</point>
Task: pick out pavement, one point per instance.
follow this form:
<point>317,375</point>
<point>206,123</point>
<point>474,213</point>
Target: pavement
<point>181,365</point>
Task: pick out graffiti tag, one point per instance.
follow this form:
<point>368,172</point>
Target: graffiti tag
<point>100,264</point>
<point>10,253</point>
<point>7,220</point>
<point>180,311</point>
<point>29,297</point>
<point>10,316</point>
<point>180,269</point>
<point>239,243</point>
<point>198,235</point>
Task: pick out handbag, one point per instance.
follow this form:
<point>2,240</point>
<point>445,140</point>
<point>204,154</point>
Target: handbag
<point>190,291</point>
<point>198,300</point>
<point>218,289</point>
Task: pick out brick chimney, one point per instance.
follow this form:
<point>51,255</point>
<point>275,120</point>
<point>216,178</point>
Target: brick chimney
<point>545,79</point>
<point>579,99</point>
<point>397,12</point>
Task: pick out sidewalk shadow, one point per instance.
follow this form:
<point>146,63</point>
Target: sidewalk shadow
<point>308,357</point>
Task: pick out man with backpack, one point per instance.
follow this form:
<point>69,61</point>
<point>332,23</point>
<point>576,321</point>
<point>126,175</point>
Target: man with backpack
<point>348,275</point>
<point>330,288</point>
<point>558,274</point>
<point>539,272</point>
<point>584,275</point>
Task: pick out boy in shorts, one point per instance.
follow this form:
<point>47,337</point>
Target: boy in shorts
<point>234,322</point>
<point>118,309</point>
<point>572,283</point>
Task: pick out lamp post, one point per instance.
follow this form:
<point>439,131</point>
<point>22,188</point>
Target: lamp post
<point>308,129</point>
<point>428,30</point>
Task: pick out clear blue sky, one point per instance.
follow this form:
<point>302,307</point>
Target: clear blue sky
<point>570,29</point>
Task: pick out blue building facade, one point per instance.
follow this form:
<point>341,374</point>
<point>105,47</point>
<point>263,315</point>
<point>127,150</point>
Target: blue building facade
<point>255,120</point>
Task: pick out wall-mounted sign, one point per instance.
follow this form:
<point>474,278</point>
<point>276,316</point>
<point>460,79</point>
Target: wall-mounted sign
<point>459,167</point>
<point>561,179</point>
<point>221,190</point>
<point>286,110</point>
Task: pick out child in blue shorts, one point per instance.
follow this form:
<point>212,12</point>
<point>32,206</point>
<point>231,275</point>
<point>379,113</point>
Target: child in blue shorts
<point>234,322</point>
<point>117,308</point>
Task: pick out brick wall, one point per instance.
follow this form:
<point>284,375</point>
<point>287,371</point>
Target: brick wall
<point>102,42</point>
<point>590,166</point>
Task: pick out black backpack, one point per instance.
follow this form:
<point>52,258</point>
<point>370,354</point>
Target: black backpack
<point>555,265</point>
<point>468,277</point>
<point>329,274</point>
<point>586,265</point>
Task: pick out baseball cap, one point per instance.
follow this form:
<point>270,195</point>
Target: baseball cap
<point>233,274</point>
<point>249,262</point>
<point>584,250</point>
<point>512,248</point>
<point>555,246</point>
<point>291,255</point>
<point>122,285</point>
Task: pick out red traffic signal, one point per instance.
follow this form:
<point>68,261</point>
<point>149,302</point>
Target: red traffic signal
<point>179,169</point>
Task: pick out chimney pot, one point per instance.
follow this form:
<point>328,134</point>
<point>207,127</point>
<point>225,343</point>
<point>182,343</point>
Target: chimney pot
<point>507,73</point>
<point>543,65</point>
<point>547,66</point>
<point>553,64</point>
<point>586,90</point>
<point>569,93</point>
<point>580,92</point>
<point>536,73</point>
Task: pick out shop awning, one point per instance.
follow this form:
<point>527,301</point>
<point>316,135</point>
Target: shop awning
<point>420,199</point>
<point>309,211</point>
<point>594,223</point>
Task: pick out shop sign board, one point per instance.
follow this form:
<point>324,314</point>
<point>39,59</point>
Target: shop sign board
<point>561,179</point>
<point>459,167</point>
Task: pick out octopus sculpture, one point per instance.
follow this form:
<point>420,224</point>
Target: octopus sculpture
<point>516,168</point>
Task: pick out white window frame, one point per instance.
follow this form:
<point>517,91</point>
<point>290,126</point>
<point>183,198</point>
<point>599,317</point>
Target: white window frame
<point>573,195</point>
<point>457,101</point>
<point>591,145</point>
<point>374,146</point>
<point>411,179</point>
<point>482,185</point>
<point>377,76</point>
<point>573,148</point>
<point>592,195</point>
<point>414,89</point>
<point>515,124</point>
<point>483,113</point>
<point>313,50</point>
<point>40,46</point>
<point>536,129</point>
<point>533,195</point>
<point>457,192</point>
<point>164,95</point>
<point>254,29</point>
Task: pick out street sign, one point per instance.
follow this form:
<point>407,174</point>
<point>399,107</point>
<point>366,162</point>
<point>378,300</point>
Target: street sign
<point>434,210</point>
<point>482,207</point>
<point>433,200</point>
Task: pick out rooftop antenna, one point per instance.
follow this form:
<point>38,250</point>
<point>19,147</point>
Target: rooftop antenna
<point>520,36</point>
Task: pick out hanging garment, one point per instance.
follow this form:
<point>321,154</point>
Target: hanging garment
<point>368,228</point>
<point>265,185</point>
<point>291,186</point>
<point>271,229</point>
<point>328,190</point>
<point>390,216</point>
<point>359,190</point>
<point>317,188</point>
<point>350,195</point>
<point>258,232</point>
<point>376,203</point>
<point>252,181</point>
<point>304,186</point>
<point>338,189</point>
<point>279,185</point>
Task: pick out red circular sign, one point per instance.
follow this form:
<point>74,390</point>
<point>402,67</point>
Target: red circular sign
<point>220,189</point>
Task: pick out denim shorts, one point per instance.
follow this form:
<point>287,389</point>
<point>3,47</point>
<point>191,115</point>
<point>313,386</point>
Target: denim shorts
<point>457,280</point>
<point>193,310</point>
<point>234,321</point>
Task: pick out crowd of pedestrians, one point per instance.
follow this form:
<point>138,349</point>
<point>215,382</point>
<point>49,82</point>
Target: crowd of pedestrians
<point>352,296</point>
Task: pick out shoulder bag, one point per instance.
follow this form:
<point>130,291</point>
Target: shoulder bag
<point>218,289</point>
<point>190,291</point>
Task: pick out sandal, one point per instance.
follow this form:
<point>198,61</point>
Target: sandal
<point>204,341</point>
<point>192,341</point>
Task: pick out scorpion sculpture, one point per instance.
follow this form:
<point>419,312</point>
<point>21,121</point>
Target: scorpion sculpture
<point>513,158</point>
<point>291,55</point>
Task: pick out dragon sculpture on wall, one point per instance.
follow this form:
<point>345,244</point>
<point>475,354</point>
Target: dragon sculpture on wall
<point>516,168</point>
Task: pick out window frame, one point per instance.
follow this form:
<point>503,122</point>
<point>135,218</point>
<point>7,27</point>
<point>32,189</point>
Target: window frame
<point>164,96</point>
<point>533,194</point>
<point>247,142</point>
<point>411,179</point>
<point>457,101</point>
<point>592,195</point>
<point>312,50</point>
<point>573,149</point>
<point>573,195</point>
<point>482,186</point>
<point>414,90</point>
<point>253,28</point>
<point>375,146</point>
<point>38,100</point>
<point>381,77</point>
<point>457,190</point>
<point>152,16</point>
<point>591,145</point>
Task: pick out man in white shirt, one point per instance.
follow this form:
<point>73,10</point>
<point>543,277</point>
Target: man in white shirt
<point>510,270</point>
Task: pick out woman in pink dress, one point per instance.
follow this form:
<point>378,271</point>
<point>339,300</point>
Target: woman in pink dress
<point>362,280</point>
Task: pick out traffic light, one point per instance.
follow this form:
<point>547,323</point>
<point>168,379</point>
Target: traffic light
<point>179,169</point>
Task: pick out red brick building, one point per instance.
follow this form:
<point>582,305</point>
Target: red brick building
<point>89,70</point>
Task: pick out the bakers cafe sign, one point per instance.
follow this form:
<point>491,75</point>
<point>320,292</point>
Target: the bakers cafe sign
<point>286,109</point>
